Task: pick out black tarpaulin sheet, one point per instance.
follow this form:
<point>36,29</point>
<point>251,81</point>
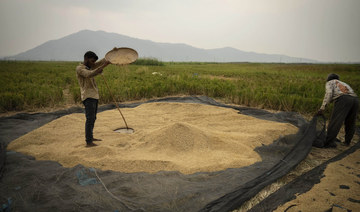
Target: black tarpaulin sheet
<point>162,191</point>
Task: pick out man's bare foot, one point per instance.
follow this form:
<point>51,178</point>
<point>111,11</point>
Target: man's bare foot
<point>96,139</point>
<point>90,144</point>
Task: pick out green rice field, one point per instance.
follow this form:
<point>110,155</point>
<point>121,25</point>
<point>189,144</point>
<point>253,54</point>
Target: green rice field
<point>287,87</point>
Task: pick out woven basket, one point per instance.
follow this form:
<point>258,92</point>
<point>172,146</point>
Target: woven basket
<point>121,56</point>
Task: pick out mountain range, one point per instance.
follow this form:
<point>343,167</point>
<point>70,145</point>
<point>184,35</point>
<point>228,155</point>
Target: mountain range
<point>73,47</point>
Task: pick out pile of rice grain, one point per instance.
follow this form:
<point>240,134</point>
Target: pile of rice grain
<point>183,137</point>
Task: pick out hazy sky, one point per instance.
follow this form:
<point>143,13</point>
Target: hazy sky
<point>325,30</point>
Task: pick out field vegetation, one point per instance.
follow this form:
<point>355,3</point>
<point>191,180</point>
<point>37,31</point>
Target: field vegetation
<point>287,87</point>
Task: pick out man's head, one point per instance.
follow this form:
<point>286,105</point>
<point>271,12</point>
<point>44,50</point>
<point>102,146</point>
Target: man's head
<point>90,58</point>
<point>332,77</point>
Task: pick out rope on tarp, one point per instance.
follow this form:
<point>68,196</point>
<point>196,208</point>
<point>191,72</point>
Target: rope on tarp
<point>111,194</point>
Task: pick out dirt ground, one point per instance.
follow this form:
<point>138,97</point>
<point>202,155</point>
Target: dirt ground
<point>339,189</point>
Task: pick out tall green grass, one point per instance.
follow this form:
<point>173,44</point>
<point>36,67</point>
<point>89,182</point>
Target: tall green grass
<point>33,84</point>
<point>148,62</point>
<point>289,87</point>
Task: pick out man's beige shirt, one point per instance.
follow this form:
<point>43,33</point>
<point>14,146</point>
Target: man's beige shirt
<point>86,80</point>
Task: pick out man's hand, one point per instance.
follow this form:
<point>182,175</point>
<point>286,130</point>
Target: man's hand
<point>107,62</point>
<point>101,68</point>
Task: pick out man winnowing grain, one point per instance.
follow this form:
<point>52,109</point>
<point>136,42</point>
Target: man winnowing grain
<point>85,72</point>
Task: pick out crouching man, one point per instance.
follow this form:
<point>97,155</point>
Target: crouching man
<point>345,110</point>
<point>86,71</point>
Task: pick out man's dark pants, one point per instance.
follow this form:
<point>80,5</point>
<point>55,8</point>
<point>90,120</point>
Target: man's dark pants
<point>345,110</point>
<point>91,106</point>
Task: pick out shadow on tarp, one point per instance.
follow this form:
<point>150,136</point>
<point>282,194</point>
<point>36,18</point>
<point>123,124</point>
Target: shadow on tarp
<point>162,191</point>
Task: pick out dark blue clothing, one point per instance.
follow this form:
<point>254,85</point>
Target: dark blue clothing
<point>91,106</point>
<point>345,111</point>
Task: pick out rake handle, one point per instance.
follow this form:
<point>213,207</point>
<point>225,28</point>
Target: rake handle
<point>116,104</point>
